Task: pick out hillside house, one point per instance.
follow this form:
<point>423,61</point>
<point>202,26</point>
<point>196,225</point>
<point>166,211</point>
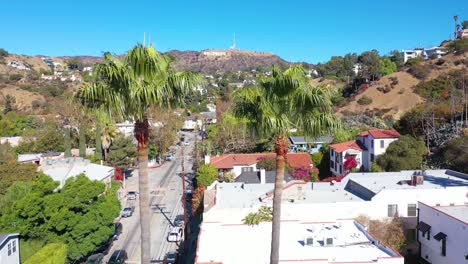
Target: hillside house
<point>18,65</point>
<point>369,145</point>
<point>9,249</point>
<point>442,232</point>
<point>191,123</point>
<point>208,118</point>
<point>13,141</point>
<point>62,169</point>
<point>239,163</point>
<point>302,144</point>
<point>427,53</point>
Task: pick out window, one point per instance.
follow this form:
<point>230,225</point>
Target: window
<point>392,210</point>
<point>341,169</point>
<point>246,169</point>
<point>372,143</point>
<point>332,164</point>
<point>329,241</point>
<point>444,248</point>
<point>14,246</point>
<point>411,209</point>
<point>381,144</point>
<point>332,152</point>
<point>9,249</point>
<point>372,157</point>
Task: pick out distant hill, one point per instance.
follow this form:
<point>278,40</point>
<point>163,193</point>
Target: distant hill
<point>213,61</point>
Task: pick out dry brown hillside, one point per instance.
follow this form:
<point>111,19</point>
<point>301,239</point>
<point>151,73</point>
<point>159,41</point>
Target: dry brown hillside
<point>400,97</point>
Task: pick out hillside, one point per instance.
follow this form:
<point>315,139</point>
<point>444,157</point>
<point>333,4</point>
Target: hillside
<point>394,94</point>
<point>219,61</point>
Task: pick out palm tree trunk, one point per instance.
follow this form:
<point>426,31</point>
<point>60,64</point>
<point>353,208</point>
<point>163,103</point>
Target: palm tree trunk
<point>281,148</point>
<point>142,136</point>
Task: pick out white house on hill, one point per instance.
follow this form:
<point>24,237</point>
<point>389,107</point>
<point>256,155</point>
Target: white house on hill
<point>9,249</point>
<point>368,146</point>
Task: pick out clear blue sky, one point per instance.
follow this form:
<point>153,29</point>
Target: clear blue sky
<point>301,30</point>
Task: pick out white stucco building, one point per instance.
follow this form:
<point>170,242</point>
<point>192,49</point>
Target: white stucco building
<point>443,233</point>
<point>368,146</point>
<point>342,241</point>
<point>9,249</point>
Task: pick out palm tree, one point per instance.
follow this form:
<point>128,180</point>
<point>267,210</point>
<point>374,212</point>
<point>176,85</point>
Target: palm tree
<point>283,101</point>
<point>126,88</point>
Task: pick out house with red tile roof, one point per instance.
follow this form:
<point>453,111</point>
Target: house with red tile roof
<point>239,163</point>
<point>364,150</point>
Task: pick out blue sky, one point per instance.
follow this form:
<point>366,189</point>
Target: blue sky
<point>297,30</point>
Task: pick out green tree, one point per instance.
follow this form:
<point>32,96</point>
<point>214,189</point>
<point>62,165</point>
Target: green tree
<point>53,253</point>
<point>370,61</point>
<point>264,214</point>
<point>375,167</point>
<point>48,138</point>
<point>387,66</point>
<point>206,175</point>
<point>397,58</point>
<point>3,53</point>
<point>122,153</point>
<point>82,139</point>
<point>455,154</point>
<point>283,101</point>
<point>11,171</point>
<point>98,140</point>
<point>405,154</point>
<point>75,63</point>
<point>10,102</point>
<point>127,88</point>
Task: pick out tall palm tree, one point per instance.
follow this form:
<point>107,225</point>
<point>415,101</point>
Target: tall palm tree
<point>127,88</point>
<point>283,101</point>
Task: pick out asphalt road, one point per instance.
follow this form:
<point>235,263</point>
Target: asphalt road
<point>166,204</point>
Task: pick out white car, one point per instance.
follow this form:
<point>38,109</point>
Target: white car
<point>186,143</point>
<point>132,195</point>
<point>175,235</point>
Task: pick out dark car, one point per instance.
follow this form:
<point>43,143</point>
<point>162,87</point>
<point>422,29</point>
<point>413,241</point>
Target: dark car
<point>170,258</point>
<point>179,220</point>
<point>118,231</point>
<point>127,211</point>
<point>95,259</point>
<point>118,257</point>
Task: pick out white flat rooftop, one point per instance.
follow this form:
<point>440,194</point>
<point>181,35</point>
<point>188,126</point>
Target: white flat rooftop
<point>234,244</point>
<point>434,179</point>
<point>459,212</point>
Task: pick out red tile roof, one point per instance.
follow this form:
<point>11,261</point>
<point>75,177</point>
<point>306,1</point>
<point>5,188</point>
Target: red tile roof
<point>381,133</point>
<point>227,161</point>
<point>340,147</point>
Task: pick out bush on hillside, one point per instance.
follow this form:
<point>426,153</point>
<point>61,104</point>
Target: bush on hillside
<point>365,100</point>
<point>419,71</point>
<point>15,77</point>
<point>3,53</point>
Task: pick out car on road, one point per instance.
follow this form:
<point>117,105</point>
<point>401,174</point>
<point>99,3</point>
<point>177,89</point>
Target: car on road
<point>95,259</point>
<point>175,235</point>
<point>186,143</point>
<point>169,157</point>
<point>170,258</point>
<point>132,195</point>
<point>179,221</point>
<point>118,257</point>
<point>127,211</point>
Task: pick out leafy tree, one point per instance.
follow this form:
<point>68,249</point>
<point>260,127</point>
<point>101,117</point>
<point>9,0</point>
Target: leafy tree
<point>80,215</point>
<point>7,155</point>
<point>268,164</point>
<point>14,192</point>
<point>122,153</point>
<point>11,171</point>
<point>375,167</point>
<point>404,154</point>
<point>397,58</point>
<point>387,66</point>
<point>75,63</point>
<point>264,214</point>
<point>455,154</point>
<point>3,53</point>
<point>48,138</point>
<point>10,102</point>
<point>127,88</point>
<point>283,101</point>
<point>14,124</point>
<point>53,253</point>
<point>370,61</point>
<point>206,175</point>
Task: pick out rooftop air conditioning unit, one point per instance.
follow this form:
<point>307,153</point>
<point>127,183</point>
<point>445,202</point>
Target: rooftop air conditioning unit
<point>309,241</point>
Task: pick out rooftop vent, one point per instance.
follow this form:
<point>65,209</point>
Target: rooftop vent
<point>417,178</point>
<point>309,241</point>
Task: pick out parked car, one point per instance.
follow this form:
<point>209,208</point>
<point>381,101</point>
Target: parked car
<point>179,221</point>
<point>175,235</point>
<point>127,211</point>
<point>169,157</point>
<point>95,259</point>
<point>118,257</point>
<point>186,143</point>
<point>170,258</point>
<point>131,195</point>
<point>118,230</point>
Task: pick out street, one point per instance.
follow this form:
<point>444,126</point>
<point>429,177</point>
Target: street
<point>166,204</point>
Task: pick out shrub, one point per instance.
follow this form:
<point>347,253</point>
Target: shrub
<point>266,163</point>
<point>419,71</point>
<point>414,61</point>
<point>394,81</point>
<point>365,100</point>
<point>37,104</point>
<point>54,253</point>
<point>3,53</point>
<point>15,77</point>
<point>206,175</point>
<point>440,62</point>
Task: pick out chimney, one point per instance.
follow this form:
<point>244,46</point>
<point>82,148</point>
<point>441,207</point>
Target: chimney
<point>262,176</point>
<point>207,159</point>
